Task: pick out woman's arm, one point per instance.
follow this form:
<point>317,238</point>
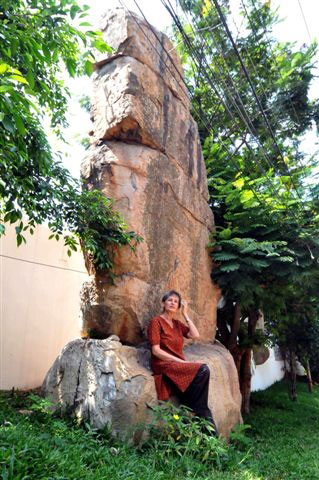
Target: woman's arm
<point>158,352</point>
<point>193,332</point>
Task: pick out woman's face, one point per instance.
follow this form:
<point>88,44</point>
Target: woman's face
<point>171,304</point>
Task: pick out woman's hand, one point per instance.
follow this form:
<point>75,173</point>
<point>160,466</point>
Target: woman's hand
<point>193,332</point>
<point>184,307</point>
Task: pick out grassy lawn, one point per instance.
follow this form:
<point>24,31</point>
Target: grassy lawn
<point>282,443</point>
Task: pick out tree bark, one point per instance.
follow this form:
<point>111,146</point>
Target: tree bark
<point>245,369</point>
<point>245,380</point>
<point>292,376</point>
<point>309,377</point>
<point>232,340</point>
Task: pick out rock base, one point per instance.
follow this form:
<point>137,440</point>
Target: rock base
<point>109,384</point>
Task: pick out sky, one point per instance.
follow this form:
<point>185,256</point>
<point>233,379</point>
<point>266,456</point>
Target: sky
<point>293,28</point>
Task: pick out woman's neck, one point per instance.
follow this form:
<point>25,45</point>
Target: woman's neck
<point>168,316</point>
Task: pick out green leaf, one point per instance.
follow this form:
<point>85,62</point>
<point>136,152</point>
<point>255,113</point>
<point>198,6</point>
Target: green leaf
<point>246,195</point>
<point>88,66</point>
<point>19,239</point>
<point>229,267</point>
<point>239,183</point>
<point>6,88</point>
<point>30,79</point>
<point>71,66</point>
<point>7,122</point>
<point>4,68</point>
<point>222,256</point>
<point>19,78</point>
<point>74,10</point>
<point>19,124</point>
<point>225,234</point>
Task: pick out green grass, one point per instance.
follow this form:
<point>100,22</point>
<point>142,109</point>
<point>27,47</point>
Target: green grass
<point>282,444</point>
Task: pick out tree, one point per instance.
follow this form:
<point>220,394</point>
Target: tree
<point>39,42</point>
<point>295,329</point>
<point>250,100</point>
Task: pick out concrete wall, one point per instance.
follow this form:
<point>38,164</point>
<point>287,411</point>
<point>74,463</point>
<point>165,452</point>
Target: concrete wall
<point>39,296</point>
<point>270,372</point>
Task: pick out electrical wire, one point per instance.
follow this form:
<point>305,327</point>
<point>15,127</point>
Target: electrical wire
<point>191,49</point>
<point>166,66</point>
<point>232,82</point>
<point>246,73</point>
<point>305,21</point>
<point>275,193</point>
<point>229,76</point>
<point>268,42</point>
<point>242,111</point>
<point>169,57</point>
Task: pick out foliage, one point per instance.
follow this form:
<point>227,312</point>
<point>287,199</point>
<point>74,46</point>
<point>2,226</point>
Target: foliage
<point>177,432</point>
<point>38,446</point>
<point>38,43</point>
<point>46,445</point>
<point>295,329</point>
<point>260,181</point>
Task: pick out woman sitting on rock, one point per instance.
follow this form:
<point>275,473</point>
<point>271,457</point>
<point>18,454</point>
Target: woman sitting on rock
<point>172,373</point>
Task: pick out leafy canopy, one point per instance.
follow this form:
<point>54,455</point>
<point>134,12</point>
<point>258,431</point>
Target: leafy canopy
<point>38,42</point>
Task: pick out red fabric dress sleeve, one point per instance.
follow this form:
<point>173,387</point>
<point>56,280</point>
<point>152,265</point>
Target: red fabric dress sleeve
<point>184,329</point>
<point>154,332</point>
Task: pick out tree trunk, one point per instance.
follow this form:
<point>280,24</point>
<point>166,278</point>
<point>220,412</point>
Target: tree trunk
<point>309,377</point>
<point>245,369</point>
<point>245,380</point>
<point>237,354</point>
<point>292,376</point>
<point>232,343</point>
<point>232,340</point>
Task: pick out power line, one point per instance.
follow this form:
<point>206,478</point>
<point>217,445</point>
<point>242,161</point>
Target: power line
<point>171,60</point>
<point>292,181</point>
<point>42,264</point>
<point>268,42</point>
<point>263,91</point>
<point>223,19</point>
<point>246,122</point>
<point>239,111</point>
<point>209,80</point>
<point>304,19</point>
<point>242,112</point>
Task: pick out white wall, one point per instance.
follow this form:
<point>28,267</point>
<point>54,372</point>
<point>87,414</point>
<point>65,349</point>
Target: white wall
<point>40,306</point>
<point>265,375</point>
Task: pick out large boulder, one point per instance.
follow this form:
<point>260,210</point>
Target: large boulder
<point>146,155</point>
<point>101,381</point>
<point>224,394</point>
<point>109,384</point>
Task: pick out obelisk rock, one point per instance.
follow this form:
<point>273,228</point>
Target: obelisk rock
<point>146,155</point>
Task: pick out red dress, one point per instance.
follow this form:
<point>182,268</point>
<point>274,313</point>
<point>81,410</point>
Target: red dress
<point>171,341</point>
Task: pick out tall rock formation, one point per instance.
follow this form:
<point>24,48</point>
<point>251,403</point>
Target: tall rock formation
<point>146,154</point>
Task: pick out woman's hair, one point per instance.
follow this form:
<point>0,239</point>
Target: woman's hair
<point>176,294</point>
